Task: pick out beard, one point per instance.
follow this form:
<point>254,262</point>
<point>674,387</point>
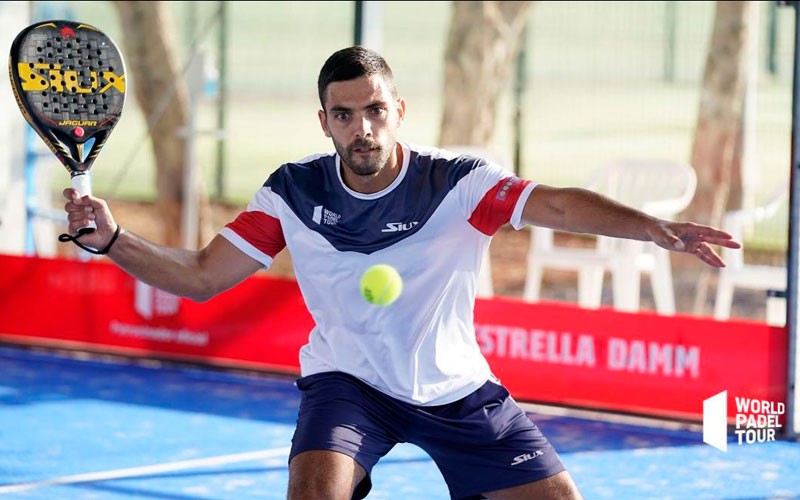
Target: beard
<point>354,157</point>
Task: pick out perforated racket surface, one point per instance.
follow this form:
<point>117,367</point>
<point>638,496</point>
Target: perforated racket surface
<point>69,82</point>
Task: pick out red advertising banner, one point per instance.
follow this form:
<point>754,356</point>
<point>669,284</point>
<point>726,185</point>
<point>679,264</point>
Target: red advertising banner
<point>544,352</point>
<point>262,323</point>
<point>641,363</point>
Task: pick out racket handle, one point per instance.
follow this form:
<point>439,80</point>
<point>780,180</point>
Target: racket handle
<point>83,185</point>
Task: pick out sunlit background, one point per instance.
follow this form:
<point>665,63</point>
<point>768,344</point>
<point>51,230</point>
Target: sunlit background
<point>601,81</point>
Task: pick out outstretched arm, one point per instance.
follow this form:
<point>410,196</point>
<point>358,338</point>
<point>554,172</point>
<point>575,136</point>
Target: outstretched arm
<point>197,274</point>
<point>583,211</point>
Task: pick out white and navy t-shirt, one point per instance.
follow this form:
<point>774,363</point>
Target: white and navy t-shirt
<point>433,224</point>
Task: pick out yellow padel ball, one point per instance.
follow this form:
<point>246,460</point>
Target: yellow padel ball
<point>381,284</point>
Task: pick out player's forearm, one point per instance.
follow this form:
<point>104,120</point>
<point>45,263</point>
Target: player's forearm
<point>583,211</point>
<point>590,212</point>
<point>174,270</point>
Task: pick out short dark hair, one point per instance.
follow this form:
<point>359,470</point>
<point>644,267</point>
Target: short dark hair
<point>350,63</point>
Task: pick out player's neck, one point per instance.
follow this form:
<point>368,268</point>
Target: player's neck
<point>372,184</point>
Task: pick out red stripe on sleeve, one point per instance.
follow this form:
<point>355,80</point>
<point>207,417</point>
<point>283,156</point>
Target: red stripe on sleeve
<point>497,205</point>
<point>260,230</point>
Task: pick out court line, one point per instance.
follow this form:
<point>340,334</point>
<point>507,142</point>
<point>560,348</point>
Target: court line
<point>146,470</point>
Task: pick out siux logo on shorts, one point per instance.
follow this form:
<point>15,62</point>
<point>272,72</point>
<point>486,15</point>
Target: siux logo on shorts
<point>527,456</point>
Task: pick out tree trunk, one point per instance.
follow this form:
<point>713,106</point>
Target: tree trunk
<point>482,45</point>
<point>151,54</point>
<point>717,147</point>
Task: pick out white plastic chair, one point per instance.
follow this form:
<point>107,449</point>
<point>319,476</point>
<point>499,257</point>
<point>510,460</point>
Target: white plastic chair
<point>485,287</point>
<point>737,272</point>
<point>659,188</point>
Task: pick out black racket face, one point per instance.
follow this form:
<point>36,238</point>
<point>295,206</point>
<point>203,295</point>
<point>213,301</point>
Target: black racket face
<point>69,82</point>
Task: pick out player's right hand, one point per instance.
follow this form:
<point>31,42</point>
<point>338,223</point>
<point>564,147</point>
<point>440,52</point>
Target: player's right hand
<point>83,209</point>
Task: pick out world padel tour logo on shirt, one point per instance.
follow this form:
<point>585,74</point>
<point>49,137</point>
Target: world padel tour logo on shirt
<point>756,420</point>
<point>324,216</point>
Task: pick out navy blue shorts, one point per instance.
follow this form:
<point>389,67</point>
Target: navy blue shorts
<point>481,443</point>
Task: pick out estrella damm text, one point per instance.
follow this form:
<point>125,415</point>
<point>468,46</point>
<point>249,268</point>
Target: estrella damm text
<point>78,123</point>
<point>68,82</point>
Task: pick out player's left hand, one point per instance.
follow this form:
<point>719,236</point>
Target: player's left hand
<point>694,239</point>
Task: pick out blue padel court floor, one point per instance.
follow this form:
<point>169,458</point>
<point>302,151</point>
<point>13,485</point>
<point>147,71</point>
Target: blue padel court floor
<point>75,428</point>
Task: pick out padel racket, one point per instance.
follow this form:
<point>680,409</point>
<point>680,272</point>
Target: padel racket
<point>69,82</point>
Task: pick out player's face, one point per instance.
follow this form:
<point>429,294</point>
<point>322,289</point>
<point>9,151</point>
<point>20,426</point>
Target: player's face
<point>361,117</point>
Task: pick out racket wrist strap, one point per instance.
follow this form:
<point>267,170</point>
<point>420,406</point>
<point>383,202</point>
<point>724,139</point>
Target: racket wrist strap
<point>68,237</point>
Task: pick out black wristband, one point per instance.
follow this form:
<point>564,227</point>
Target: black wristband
<point>68,237</point>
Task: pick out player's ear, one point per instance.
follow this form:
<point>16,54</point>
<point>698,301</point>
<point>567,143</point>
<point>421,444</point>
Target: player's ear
<point>401,110</point>
<point>323,121</point>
